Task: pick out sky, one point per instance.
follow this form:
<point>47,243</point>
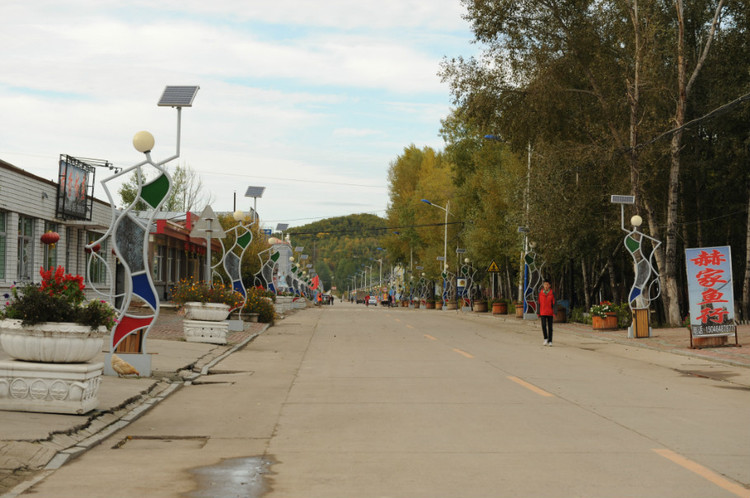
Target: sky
<point>312,100</point>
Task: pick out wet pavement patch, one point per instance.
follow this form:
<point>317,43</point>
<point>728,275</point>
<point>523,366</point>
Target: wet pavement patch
<point>241,477</point>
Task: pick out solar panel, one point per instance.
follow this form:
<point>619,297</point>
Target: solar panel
<point>281,227</point>
<point>255,191</point>
<point>622,199</point>
<point>178,96</point>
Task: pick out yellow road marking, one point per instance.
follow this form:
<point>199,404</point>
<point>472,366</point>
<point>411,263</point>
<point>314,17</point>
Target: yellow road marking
<point>463,353</point>
<point>705,473</point>
<point>531,387</point>
<point>429,337</point>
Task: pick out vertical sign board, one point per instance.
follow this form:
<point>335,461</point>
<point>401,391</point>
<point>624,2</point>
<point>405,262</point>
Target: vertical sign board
<point>709,274</point>
<point>74,189</point>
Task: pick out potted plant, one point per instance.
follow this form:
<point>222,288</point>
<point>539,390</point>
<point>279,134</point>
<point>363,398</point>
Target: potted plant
<point>603,316</point>
<point>202,301</point>
<point>451,304</point>
<point>52,322</point>
<point>481,306</point>
<point>257,308</point>
<point>430,303</point>
<point>499,306</point>
<point>438,304</point>
<point>519,309</point>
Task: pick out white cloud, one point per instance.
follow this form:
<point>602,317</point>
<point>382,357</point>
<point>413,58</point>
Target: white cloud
<point>327,92</point>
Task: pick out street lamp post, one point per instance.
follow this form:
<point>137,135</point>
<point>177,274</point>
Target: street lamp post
<point>445,241</point>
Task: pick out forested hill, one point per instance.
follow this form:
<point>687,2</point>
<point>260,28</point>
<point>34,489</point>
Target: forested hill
<point>339,247</point>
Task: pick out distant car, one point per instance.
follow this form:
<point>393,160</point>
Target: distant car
<point>373,300</point>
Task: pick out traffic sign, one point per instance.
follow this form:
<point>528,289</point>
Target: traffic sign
<point>267,231</point>
<point>493,268</point>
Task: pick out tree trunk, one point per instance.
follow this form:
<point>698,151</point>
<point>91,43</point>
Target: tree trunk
<point>612,281</point>
<point>746,283</point>
<point>586,297</point>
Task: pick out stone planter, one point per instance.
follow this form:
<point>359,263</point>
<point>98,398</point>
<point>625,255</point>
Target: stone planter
<point>51,342</point>
<point>451,305</point>
<point>519,310</point>
<point>480,306</point>
<point>211,312</point>
<point>212,332</point>
<point>49,387</point>
<point>250,317</point>
<point>607,323</point>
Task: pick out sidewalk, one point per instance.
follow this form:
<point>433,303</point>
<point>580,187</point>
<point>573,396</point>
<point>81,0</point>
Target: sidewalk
<point>33,442</point>
<point>672,340</point>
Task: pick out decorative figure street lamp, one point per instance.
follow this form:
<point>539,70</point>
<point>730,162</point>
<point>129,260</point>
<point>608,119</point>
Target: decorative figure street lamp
<point>646,286</point>
<point>466,274</point>
<point>445,244</point>
<point>232,257</point>
<point>129,237</point>
<point>532,281</point>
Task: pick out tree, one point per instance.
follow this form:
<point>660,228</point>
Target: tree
<point>186,195</point>
<point>584,83</point>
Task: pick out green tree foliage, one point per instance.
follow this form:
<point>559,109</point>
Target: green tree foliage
<point>586,86</point>
<point>339,247</point>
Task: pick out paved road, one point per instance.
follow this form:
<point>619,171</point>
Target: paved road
<point>347,401</point>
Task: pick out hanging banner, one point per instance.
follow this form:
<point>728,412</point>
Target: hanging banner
<point>709,275</point>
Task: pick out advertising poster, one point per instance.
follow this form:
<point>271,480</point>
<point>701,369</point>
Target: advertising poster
<point>709,275</point>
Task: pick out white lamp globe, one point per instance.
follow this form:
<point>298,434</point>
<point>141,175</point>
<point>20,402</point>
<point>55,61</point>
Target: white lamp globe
<point>143,141</point>
<point>636,221</point>
<point>238,215</point>
<point>467,260</point>
<point>291,258</point>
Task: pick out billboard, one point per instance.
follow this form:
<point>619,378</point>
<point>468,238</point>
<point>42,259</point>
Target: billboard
<point>75,189</point>
<point>709,275</point>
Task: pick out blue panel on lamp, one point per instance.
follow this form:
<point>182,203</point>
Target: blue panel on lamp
<point>142,288</point>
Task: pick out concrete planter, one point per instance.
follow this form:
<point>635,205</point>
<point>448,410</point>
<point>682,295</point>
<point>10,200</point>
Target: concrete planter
<point>211,332</point>
<point>51,342</point>
<point>206,311</point>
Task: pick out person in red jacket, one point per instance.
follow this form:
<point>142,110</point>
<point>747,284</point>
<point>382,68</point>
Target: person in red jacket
<point>546,311</point>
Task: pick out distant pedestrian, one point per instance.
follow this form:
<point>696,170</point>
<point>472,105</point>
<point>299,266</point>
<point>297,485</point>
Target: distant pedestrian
<point>547,311</point>
<point>367,300</point>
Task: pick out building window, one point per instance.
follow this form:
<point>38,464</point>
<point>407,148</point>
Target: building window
<point>159,263</point>
<point>50,250</point>
<point>171,264</point>
<point>25,247</point>
<point>3,243</point>
<point>97,269</point>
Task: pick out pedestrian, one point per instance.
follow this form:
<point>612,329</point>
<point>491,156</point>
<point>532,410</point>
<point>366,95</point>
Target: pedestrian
<point>546,311</point>
<point>367,300</point>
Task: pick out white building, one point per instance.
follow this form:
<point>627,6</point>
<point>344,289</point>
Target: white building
<point>28,209</point>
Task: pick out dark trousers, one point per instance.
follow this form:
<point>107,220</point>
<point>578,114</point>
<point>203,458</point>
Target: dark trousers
<point>547,327</point>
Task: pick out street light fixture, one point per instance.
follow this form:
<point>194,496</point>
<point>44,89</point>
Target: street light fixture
<point>445,240</point>
<point>255,193</point>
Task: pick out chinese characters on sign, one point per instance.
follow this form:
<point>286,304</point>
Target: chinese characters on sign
<point>709,272</point>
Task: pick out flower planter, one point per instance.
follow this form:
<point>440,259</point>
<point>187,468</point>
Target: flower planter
<point>480,306</point>
<point>451,305</point>
<point>519,310</point>
<point>607,323</point>
<point>430,305</point>
<point>251,317</point>
<point>499,308</point>
<point>438,305</point>
<point>210,312</point>
<point>51,342</point>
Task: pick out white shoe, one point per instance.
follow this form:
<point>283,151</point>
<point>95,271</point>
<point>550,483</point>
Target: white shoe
<point>546,342</point>
<point>549,343</point>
